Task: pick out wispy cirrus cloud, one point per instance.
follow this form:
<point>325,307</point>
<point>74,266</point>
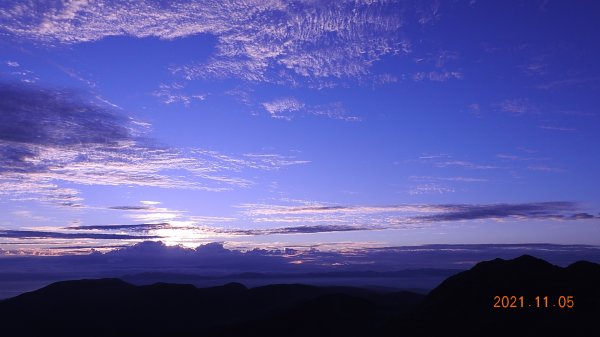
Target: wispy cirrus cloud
<point>450,179</point>
<point>567,82</point>
<point>289,108</point>
<point>49,137</point>
<point>270,41</point>
<point>465,164</point>
<point>544,168</point>
<point>430,188</point>
<point>427,12</point>
<point>283,108</point>
<point>439,184</point>
<point>438,76</point>
<point>517,106</point>
<point>557,128</point>
<point>445,160</point>
<point>514,157</point>
<point>173,93</point>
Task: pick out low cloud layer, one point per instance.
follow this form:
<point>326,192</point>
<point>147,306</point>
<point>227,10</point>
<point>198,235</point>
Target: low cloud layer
<point>214,264</point>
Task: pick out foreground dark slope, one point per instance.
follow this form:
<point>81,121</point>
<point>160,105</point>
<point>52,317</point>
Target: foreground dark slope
<point>111,307</point>
<point>461,305</point>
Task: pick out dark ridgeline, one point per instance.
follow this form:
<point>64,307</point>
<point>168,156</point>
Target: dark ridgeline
<point>461,306</point>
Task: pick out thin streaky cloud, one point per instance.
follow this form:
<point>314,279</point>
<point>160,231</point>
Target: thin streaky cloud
<point>544,168</point>
<point>437,76</point>
<point>128,228</point>
<point>48,137</point>
<point>465,164</point>
<point>557,128</point>
<point>517,106</point>
<point>173,93</point>
<point>18,234</point>
<point>430,188</point>
<point>352,218</point>
<point>404,216</point>
<point>557,84</point>
<point>457,179</point>
<point>446,160</point>
<point>132,208</point>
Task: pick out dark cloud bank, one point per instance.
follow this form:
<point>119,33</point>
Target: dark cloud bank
<point>210,264</point>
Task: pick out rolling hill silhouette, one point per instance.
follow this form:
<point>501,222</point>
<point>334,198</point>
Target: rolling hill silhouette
<point>461,305</point>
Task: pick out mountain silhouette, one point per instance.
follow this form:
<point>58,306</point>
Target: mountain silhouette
<point>462,305</point>
<point>112,307</point>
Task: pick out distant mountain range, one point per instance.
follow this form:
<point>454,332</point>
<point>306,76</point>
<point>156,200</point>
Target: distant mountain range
<point>547,300</point>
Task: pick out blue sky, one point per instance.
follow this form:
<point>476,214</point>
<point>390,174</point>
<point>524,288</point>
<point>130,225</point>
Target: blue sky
<point>305,124</point>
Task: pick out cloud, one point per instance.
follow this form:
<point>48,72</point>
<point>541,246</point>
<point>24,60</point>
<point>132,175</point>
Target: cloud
<point>474,108</point>
<point>267,161</point>
<point>332,218</point>
<point>29,215</point>
<point>318,208</point>
<point>132,208</point>
<point>513,157</point>
<point>309,218</point>
<point>517,106</point>
<point>128,228</point>
<point>430,188</point>
<point>455,179</point>
<point>537,65</point>
<point>13,64</point>
<point>58,235</point>
<point>427,12</point>
<point>269,40</point>
<point>283,108</point>
<point>465,164</point>
<point>541,210</point>
<point>446,160</point>
<point>49,137</point>
<point>544,168</point>
<point>296,230</point>
<point>219,263</point>
<point>334,111</point>
<point>557,128</point>
<point>437,76</point>
<point>172,93</point>
<point>289,107</point>
<point>566,83</point>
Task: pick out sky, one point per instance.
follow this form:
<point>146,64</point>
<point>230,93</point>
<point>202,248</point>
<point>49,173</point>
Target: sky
<point>335,126</point>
